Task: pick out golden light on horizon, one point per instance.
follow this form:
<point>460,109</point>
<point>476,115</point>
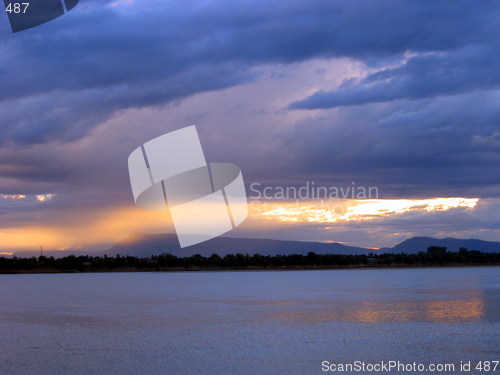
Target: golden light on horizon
<point>6,253</point>
<point>29,237</point>
<point>91,227</point>
<point>88,228</point>
<point>345,210</point>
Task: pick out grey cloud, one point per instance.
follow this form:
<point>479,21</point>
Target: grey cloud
<point>100,59</point>
<point>474,67</point>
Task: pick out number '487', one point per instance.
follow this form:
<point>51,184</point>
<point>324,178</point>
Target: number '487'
<point>17,8</point>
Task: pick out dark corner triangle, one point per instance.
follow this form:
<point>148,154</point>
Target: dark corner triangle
<point>37,13</point>
<point>70,4</point>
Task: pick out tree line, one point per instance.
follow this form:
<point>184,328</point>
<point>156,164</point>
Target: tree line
<point>435,256</point>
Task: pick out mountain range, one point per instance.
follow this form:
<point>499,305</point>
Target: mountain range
<point>416,244</point>
<point>142,245</point>
<point>145,245</point>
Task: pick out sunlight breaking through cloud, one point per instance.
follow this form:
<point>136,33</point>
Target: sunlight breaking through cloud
<point>355,210</point>
<point>12,196</point>
<point>44,197</point>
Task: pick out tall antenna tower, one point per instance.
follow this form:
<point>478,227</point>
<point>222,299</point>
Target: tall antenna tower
<point>41,250</point>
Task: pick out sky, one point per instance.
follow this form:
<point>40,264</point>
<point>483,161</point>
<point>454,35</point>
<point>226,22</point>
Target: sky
<point>399,96</point>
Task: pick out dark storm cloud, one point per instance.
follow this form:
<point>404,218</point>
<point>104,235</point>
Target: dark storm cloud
<point>442,69</point>
<point>61,79</point>
<point>429,75</point>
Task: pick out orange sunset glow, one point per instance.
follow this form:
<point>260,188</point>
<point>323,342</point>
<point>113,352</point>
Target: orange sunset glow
<point>88,229</point>
<point>354,210</point>
<point>114,225</point>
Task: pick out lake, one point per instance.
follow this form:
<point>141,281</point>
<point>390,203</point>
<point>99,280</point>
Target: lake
<point>262,322</point>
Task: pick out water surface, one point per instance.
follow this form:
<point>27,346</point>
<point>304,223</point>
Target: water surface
<point>268,322</point>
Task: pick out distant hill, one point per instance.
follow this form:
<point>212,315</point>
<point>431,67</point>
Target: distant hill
<point>145,245</point>
<point>416,244</point>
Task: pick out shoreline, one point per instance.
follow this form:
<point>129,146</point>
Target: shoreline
<point>243,269</point>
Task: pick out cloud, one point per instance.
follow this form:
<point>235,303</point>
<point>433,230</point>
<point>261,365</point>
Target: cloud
<point>439,147</point>
<point>467,64</point>
<point>414,107</point>
<point>63,78</point>
<point>422,76</point>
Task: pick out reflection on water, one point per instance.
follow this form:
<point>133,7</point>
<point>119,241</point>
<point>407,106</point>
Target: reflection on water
<point>372,312</point>
<point>245,322</point>
<point>455,310</point>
